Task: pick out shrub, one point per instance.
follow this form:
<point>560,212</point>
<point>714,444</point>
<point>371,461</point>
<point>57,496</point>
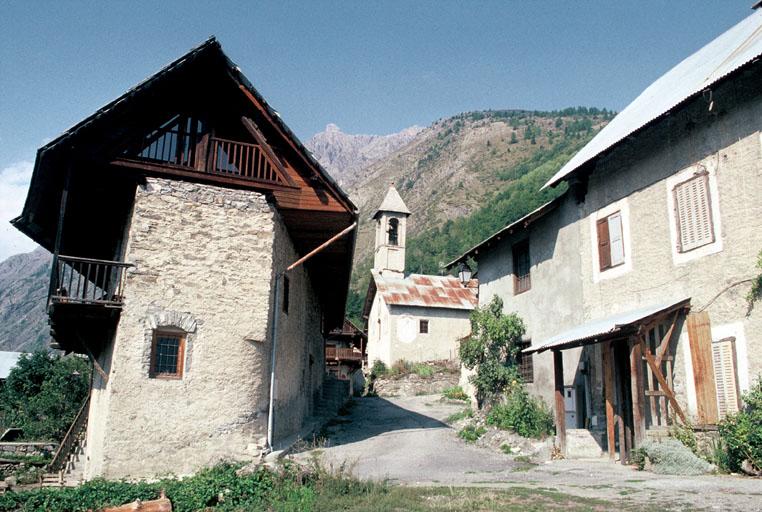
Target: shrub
<point>471,433</point>
<point>506,448</point>
<point>741,433</point>
<point>423,370</point>
<point>492,349</point>
<point>400,367</point>
<point>527,416</point>
<point>756,286</point>
<point>455,393</point>
<point>671,457</point>
<point>378,369</point>
<point>685,434</point>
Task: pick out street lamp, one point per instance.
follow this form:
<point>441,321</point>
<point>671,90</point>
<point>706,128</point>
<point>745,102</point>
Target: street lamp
<point>464,273</point>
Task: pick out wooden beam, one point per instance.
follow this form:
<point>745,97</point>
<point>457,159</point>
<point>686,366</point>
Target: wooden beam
<point>560,409</point>
<point>638,393</point>
<point>664,344</point>
<point>59,231</point>
<point>253,129</point>
<point>660,378</point>
<point>608,389</point>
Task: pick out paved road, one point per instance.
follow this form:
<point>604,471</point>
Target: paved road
<point>405,440</point>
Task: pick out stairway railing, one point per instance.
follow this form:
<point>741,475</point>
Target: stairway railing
<point>61,456</point>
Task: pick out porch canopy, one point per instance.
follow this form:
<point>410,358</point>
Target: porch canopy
<point>619,325</point>
<point>637,369</point>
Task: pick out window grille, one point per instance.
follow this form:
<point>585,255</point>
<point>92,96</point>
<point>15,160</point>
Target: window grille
<point>167,354</point>
<point>526,363</point>
<point>521,268</point>
<point>423,326</point>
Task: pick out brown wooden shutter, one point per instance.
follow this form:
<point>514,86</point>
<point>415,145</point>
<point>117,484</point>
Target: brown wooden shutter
<point>700,339</point>
<point>604,249</point>
<point>724,357</point>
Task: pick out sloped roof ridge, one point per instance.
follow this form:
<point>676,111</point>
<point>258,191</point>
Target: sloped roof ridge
<point>734,48</point>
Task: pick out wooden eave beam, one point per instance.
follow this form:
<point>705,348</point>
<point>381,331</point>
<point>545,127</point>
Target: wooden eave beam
<point>253,129</point>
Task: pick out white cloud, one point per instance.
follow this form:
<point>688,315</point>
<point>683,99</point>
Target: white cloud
<point>14,183</point>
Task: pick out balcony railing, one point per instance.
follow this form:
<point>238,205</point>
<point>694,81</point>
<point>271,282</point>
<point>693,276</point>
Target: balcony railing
<point>342,354</point>
<point>240,159</point>
<point>88,281</point>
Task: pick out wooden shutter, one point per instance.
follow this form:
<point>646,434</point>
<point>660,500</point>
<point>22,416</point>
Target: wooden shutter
<point>693,213</point>
<point>724,358</point>
<point>700,339</point>
<point>604,248</point>
<point>616,240</point>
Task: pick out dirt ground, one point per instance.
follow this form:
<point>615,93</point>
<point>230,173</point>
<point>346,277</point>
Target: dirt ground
<point>406,441</point>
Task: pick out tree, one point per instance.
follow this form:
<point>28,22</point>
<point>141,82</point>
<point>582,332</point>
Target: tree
<point>43,393</point>
<point>492,350</point>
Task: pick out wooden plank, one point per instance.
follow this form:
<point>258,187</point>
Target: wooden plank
<point>558,373</point>
<point>638,394</point>
<point>664,344</point>
<point>608,388</point>
<point>252,128</point>
<point>660,378</point>
<point>655,419</point>
<point>700,339</point>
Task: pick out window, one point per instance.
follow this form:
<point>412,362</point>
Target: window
<point>725,377</point>
<point>610,241</point>
<point>526,363</point>
<point>286,287</point>
<point>167,354</point>
<point>693,213</point>
<point>394,231</point>
<point>521,278</point>
<point>423,326</point>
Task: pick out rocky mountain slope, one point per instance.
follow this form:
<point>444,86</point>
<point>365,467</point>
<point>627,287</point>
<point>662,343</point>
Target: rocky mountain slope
<point>23,291</point>
<point>345,155</point>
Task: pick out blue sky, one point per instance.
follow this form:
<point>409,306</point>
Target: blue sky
<point>368,66</point>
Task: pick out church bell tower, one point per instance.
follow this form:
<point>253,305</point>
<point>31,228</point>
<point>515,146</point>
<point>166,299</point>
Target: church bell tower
<point>391,223</point>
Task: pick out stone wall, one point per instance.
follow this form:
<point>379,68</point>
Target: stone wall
<point>27,449</point>
<point>205,260</point>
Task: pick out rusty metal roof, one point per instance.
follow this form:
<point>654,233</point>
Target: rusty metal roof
<point>425,291</point>
<point>730,51</point>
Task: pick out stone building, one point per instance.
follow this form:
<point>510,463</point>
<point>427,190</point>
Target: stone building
<point>414,318</point>
<point>175,215</point>
<point>345,355</point>
<point>633,283</point>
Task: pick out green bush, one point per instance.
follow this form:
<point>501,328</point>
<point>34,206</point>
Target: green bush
<point>465,413</point>
<point>527,416</point>
<point>471,433</point>
<point>43,393</point>
<point>423,370</point>
<point>378,369</point>
<point>455,393</point>
<point>671,457</point>
<point>741,433</point>
<point>685,434</point>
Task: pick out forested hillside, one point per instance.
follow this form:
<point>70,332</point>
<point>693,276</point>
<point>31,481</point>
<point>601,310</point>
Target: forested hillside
<point>544,141</point>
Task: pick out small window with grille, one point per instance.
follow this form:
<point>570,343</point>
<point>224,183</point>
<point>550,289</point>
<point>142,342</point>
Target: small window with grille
<point>693,213</point>
<point>423,326</point>
<point>521,268</point>
<point>526,363</point>
<point>167,354</point>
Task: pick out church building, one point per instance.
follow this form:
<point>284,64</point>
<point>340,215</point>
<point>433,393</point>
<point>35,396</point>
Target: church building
<point>415,318</point>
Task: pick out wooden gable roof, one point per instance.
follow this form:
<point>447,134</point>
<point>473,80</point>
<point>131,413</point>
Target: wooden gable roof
<point>204,83</point>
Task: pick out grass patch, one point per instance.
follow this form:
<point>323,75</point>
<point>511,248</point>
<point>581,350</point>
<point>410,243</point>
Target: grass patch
<point>456,393</point>
<point>506,448</point>
<point>471,433</point>
<point>465,413</point>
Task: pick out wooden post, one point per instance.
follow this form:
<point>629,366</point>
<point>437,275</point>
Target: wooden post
<point>608,389</point>
<point>560,409</point>
<point>638,393</point>
<point>59,231</point>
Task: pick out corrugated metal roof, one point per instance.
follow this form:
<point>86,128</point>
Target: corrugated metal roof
<point>519,224</point>
<point>392,203</point>
<point>425,291</point>
<point>733,49</point>
<point>592,332</point>
<point>8,361</point>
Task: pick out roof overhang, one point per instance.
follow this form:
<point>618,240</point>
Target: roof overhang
<point>511,229</point>
<point>616,326</point>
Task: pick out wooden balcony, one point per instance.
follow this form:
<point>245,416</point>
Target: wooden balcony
<point>342,354</point>
<point>85,302</point>
<point>87,281</point>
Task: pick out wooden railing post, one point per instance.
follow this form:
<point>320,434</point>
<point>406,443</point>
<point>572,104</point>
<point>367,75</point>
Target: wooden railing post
<point>560,409</point>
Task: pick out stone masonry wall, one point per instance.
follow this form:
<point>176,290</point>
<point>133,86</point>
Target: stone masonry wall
<point>204,262</point>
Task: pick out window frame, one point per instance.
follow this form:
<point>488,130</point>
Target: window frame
<point>603,231</point>
<point>164,332</point>
<point>525,363</point>
<point>394,228</point>
<point>423,326</point>
<point>521,283</point>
